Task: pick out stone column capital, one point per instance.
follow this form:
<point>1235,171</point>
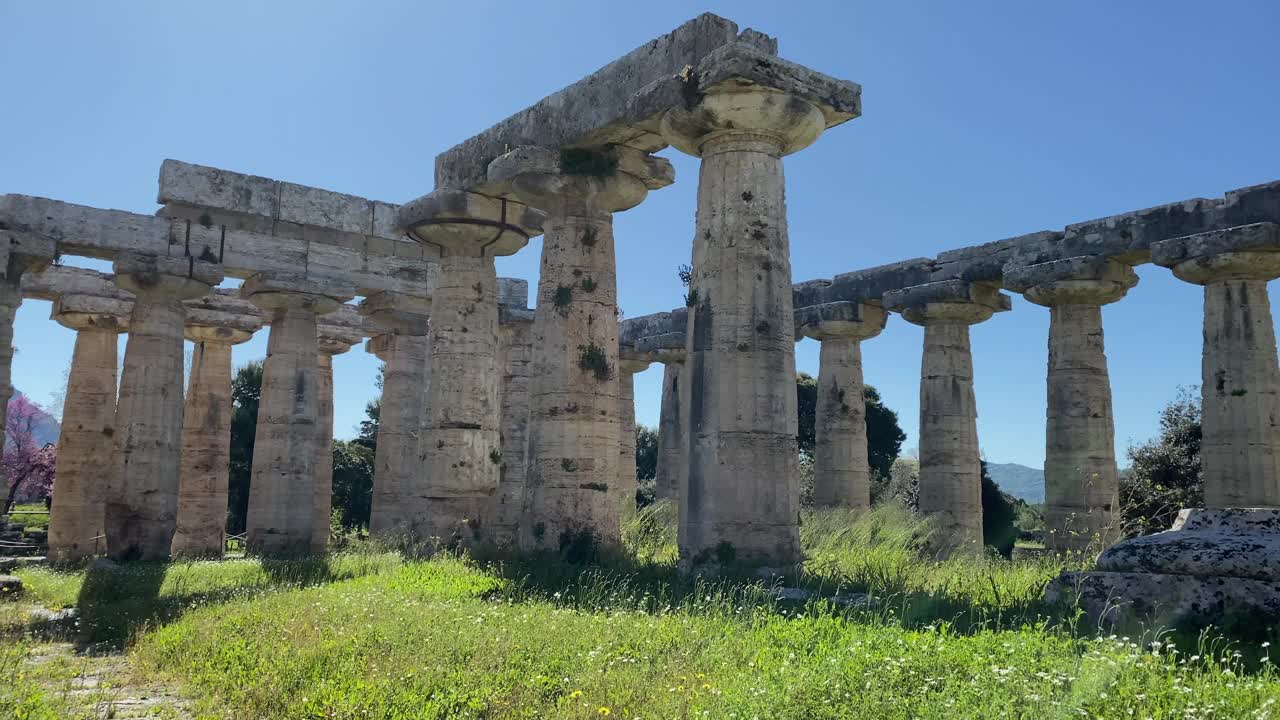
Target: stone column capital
<point>840,321</point>
<point>92,312</point>
<point>398,313</point>
<point>581,181</point>
<point>632,362</point>
<point>283,291</point>
<point>745,112</point>
<point>217,334</point>
<point>1083,280</point>
<point>466,223</point>
<point>159,278</point>
<point>336,340</point>
<point>948,302</point>
<point>1244,252</point>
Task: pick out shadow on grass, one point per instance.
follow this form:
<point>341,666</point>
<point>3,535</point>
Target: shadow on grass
<point>117,601</point>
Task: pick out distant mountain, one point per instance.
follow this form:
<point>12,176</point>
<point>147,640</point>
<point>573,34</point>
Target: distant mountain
<point>1019,481</point>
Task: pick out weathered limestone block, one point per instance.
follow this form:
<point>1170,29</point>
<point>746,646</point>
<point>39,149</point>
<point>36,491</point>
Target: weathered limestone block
<point>206,439</point>
<point>142,499</point>
<point>1082,491</point>
<point>1211,563</point>
<point>741,497</point>
<point>283,488</point>
<point>460,450</point>
<point>842,474</point>
<point>1240,388</point>
<point>331,341</point>
<point>87,440</point>
<point>574,397</point>
<point>501,523</point>
<point>397,497</point>
<point>629,363</point>
<point>950,466</point>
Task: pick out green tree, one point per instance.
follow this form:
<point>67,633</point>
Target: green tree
<point>368,436</point>
<point>884,435</point>
<point>1164,472</point>
<point>352,483</point>
<point>999,516</point>
<point>246,390</point>
<point>646,452</point>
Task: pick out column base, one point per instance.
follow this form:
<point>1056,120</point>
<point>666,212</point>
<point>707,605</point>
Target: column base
<point>1211,565</point>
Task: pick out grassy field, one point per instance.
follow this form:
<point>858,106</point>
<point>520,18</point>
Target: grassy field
<point>34,516</point>
<point>367,635</point>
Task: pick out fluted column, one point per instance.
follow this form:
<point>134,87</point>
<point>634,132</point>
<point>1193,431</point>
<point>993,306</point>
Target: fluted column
<point>629,363</point>
<point>1082,490</point>
<point>741,501</point>
<point>950,465</point>
<point>460,450</point>
<point>282,490</point>
<point>87,440</point>
<point>397,493</point>
<point>206,442</point>
<point>842,475</point>
<point>505,512</point>
<point>1240,385</point>
<point>330,342</point>
<point>572,465</point>
<point>142,502</point>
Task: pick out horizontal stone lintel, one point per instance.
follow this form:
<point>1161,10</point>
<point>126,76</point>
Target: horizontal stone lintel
<point>93,232</point>
<point>622,102</point>
<point>946,291</point>
<point>1263,236</point>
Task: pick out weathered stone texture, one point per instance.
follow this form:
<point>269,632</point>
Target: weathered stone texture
<point>329,344</point>
<point>142,499</point>
<point>501,523</point>
<point>86,442</point>
<point>397,497</point>
<point>625,486</point>
<point>842,476</point>
<point>206,444</point>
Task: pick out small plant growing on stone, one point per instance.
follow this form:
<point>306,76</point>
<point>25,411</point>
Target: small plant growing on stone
<point>539,530</point>
<point>590,237</point>
<point>589,285</point>
<point>587,163</point>
<point>563,296</point>
<point>686,274</point>
<point>207,255</point>
<point>495,457</point>
<point>726,553</point>
<point>691,298</point>
<point>598,487</point>
<point>569,465</point>
<point>206,220</point>
<point>617,312</point>
<point>593,359</point>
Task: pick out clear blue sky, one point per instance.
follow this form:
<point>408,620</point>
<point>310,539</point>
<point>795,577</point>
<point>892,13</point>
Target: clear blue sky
<point>983,120</point>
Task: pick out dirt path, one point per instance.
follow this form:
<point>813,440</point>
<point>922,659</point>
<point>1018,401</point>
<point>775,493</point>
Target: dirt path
<point>103,686</point>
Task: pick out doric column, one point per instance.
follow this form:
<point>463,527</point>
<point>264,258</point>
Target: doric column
<point>630,362</point>
<point>1082,491</point>
<point>142,502</point>
<point>741,501</point>
<point>842,475</point>
<point>398,497</point>
<point>669,349</point>
<point>461,454</point>
<point>282,489</point>
<point>950,466</point>
<point>19,253</point>
<point>1240,385</point>
<point>501,524</point>
<point>87,440</point>
<point>331,341</point>
<point>206,435</point>
<point>574,430</point>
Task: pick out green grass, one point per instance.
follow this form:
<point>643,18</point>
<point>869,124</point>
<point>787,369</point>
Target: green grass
<point>368,635</point>
<point>40,521</point>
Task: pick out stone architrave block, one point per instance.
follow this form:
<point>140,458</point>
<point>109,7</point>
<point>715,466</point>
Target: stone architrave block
<point>946,291</point>
<point>1264,237</point>
<point>513,292</point>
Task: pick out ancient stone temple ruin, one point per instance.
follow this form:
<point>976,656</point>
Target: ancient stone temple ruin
<point>512,426</point>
